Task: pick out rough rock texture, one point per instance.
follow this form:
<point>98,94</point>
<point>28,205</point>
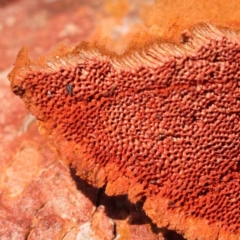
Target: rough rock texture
<point>24,22</point>
<point>38,196</point>
<point>160,124</point>
<point>42,24</point>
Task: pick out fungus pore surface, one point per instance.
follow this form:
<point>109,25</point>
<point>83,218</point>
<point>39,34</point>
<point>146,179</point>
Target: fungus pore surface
<point>160,124</point>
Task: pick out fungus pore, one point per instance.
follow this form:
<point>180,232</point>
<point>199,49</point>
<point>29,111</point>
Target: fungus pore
<point>160,124</point>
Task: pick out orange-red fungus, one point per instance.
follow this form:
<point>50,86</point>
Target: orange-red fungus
<point>161,124</point>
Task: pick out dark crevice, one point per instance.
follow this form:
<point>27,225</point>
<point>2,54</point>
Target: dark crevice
<point>115,230</point>
<point>120,208</point>
<point>100,192</point>
<point>167,234</point>
<point>89,191</point>
<point>172,235</point>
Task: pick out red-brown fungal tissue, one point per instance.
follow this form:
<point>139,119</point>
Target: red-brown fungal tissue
<point>161,124</point>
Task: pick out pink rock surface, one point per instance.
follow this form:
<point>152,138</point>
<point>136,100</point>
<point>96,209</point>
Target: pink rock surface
<point>39,198</point>
<point>41,25</point>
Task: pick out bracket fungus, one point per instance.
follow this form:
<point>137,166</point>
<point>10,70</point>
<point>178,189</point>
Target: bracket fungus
<point>160,124</point>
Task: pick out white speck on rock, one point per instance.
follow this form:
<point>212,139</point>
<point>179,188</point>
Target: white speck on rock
<point>85,232</point>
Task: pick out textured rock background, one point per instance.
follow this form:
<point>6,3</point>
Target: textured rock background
<point>39,197</point>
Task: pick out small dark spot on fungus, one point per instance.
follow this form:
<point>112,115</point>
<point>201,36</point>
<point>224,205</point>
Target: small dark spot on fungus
<point>69,89</point>
<point>18,91</point>
<point>161,136</point>
<point>171,203</point>
<point>159,117</point>
<point>110,91</point>
<point>185,37</point>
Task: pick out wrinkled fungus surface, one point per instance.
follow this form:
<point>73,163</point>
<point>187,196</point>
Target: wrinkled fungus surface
<point>161,124</point>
